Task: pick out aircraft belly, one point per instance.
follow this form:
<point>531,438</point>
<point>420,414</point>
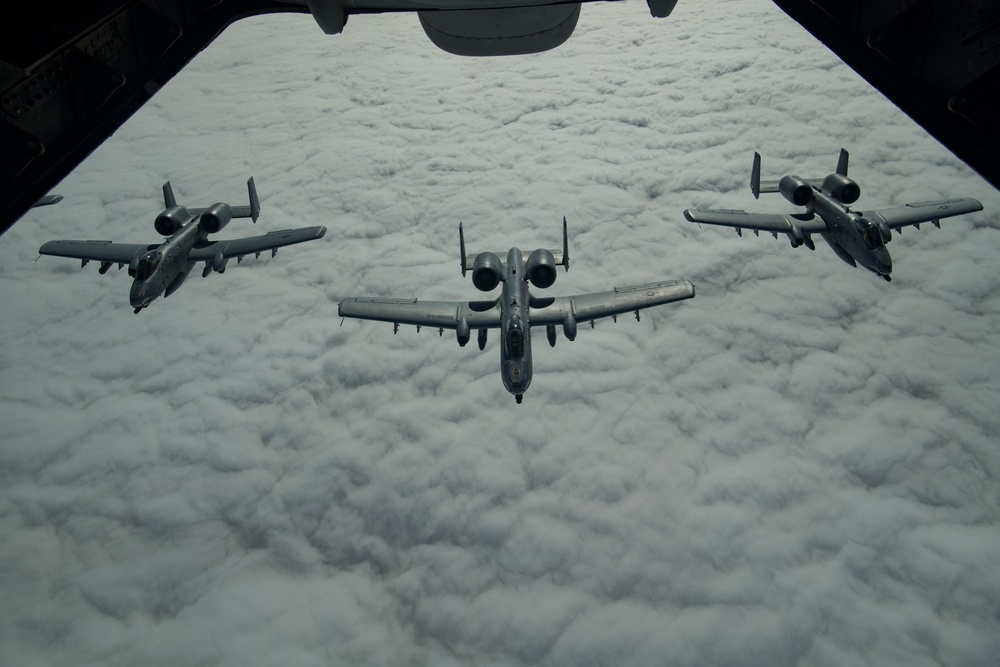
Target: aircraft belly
<point>840,251</point>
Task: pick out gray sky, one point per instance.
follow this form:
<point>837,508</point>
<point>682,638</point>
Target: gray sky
<point>799,466</point>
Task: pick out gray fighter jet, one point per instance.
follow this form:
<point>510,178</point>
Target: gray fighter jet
<point>160,268</point>
<point>515,311</point>
<point>856,237</point>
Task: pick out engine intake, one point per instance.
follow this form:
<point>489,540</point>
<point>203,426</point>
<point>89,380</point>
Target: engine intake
<point>795,190</point>
<point>487,271</point>
<point>541,268</point>
<point>216,217</point>
<point>841,188</point>
<point>172,219</point>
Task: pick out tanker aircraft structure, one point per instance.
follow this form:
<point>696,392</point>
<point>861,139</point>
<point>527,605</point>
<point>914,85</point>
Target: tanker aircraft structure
<point>516,310</point>
<point>160,268</point>
<point>856,237</point>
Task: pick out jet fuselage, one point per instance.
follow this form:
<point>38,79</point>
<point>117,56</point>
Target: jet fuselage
<point>515,328</point>
<point>851,234</point>
<point>165,267</point>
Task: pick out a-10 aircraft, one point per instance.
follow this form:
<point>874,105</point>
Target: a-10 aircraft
<point>515,311</point>
<point>160,268</point>
<point>857,237</point>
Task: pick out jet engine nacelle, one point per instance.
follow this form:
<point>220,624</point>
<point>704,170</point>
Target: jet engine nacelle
<point>569,327</point>
<point>216,217</point>
<point>172,219</point>
<point>463,333</point>
<point>795,190</point>
<point>841,188</point>
<point>487,271</point>
<point>540,268</point>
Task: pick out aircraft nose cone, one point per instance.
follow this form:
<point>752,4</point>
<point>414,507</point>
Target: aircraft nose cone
<point>515,378</point>
<point>137,295</point>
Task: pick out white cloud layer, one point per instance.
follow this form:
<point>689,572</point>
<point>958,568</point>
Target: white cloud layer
<point>799,466</point>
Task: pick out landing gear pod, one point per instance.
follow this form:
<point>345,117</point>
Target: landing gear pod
<point>482,339</point>
<point>569,327</point>
<point>463,333</point>
<point>219,263</point>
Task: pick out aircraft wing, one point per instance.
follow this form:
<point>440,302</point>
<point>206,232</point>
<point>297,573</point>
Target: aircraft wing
<point>204,252</point>
<point>766,222</point>
<point>587,307</point>
<point>926,211</point>
<point>100,251</point>
<point>438,314</point>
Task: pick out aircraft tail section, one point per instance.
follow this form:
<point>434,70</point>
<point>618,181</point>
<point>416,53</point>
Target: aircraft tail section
<point>468,262</point>
<point>758,186</point>
<point>842,162</point>
<point>254,200</point>
<point>561,256</point>
<point>253,210</point>
<point>169,201</point>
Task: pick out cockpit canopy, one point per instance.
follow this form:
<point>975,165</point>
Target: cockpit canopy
<point>870,232</point>
<point>515,339</point>
<point>148,264</point>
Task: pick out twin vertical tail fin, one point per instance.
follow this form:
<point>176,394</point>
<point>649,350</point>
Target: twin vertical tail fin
<point>169,201</point>
<point>565,244</point>
<point>842,163</point>
<point>755,176</point>
<point>461,243</point>
<point>254,200</point>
